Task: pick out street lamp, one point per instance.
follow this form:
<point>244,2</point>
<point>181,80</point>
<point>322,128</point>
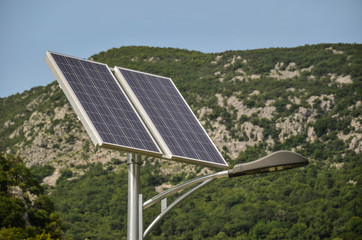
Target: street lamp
<point>277,161</point>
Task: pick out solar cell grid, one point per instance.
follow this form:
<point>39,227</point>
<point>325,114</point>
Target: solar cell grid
<point>111,120</point>
<point>172,117</point>
<point>105,104</point>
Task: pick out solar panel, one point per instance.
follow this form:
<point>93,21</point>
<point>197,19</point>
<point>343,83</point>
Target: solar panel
<point>169,118</point>
<point>102,106</point>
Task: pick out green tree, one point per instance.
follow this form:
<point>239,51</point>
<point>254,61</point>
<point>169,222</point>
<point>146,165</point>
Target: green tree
<point>21,217</point>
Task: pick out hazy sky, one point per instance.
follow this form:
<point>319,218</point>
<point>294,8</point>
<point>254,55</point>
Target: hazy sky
<point>81,28</point>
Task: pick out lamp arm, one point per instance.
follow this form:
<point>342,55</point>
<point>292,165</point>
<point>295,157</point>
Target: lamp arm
<point>184,185</point>
<point>174,203</point>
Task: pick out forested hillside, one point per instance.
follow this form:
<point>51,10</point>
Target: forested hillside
<point>305,99</point>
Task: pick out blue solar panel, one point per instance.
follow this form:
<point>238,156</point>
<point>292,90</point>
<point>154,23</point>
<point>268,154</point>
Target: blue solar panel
<point>112,117</point>
<point>172,117</point>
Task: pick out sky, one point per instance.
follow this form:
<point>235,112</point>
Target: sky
<point>82,28</point>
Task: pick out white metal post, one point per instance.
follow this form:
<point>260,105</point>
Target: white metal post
<point>133,162</point>
<point>140,219</point>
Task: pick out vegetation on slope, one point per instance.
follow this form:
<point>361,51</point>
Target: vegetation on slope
<point>316,202</point>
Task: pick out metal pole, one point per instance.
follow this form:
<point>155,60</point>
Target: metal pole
<point>133,162</point>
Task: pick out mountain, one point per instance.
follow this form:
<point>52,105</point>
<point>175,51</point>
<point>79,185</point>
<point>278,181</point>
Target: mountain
<point>306,99</point>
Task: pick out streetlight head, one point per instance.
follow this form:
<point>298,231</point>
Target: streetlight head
<point>277,161</point>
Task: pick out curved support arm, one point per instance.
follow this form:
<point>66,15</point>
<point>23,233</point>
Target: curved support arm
<point>174,203</point>
<point>182,186</point>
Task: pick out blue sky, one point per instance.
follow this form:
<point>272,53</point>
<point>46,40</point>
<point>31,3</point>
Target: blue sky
<point>85,27</point>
